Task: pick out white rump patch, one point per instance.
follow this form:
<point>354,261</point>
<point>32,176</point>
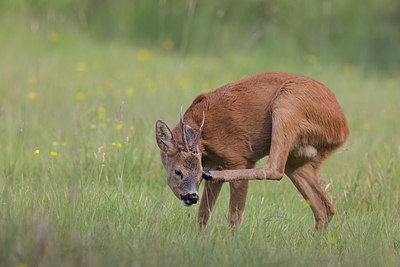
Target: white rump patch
<point>304,151</point>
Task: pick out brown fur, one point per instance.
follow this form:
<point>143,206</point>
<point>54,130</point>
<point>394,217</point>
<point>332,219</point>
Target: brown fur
<point>293,119</point>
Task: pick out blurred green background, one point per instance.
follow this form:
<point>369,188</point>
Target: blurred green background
<point>357,32</point>
<point>83,82</point>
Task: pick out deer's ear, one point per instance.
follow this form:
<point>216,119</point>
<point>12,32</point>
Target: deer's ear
<point>164,137</point>
<point>191,137</point>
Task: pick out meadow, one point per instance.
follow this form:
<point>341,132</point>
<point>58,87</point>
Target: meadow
<point>82,182</point>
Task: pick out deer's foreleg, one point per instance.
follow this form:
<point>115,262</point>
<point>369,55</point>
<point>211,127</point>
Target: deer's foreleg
<point>237,202</point>
<point>210,195</point>
<point>263,173</point>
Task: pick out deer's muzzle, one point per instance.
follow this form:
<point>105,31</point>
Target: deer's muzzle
<point>190,199</point>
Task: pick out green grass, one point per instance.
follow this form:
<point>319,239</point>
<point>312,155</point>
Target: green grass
<point>111,206</point>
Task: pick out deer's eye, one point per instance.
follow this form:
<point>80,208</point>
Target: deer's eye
<point>179,173</point>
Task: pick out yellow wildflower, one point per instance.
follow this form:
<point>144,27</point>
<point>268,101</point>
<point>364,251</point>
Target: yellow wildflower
<point>362,114</point>
<point>32,96</point>
<point>80,96</point>
<point>130,91</point>
<point>91,92</point>
<point>119,126</point>
<point>312,59</point>
<point>117,93</point>
<point>93,126</point>
<point>119,145</point>
<point>100,89</point>
<point>103,125</point>
<point>55,143</point>
<point>349,69</point>
<point>184,81</point>
<point>168,45</point>
<point>53,37</point>
<point>120,74</point>
<point>101,112</point>
<point>108,84</point>
<point>390,83</point>
<point>53,154</point>
<point>143,54</point>
<point>367,126</point>
<point>192,58</point>
<point>36,152</point>
<point>31,80</point>
<point>132,128</point>
<point>64,144</point>
<point>113,144</point>
<point>150,85</point>
<point>80,67</point>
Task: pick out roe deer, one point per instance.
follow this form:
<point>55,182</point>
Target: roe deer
<point>293,119</point>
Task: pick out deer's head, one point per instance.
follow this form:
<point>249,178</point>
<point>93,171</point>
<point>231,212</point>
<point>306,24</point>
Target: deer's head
<point>182,161</point>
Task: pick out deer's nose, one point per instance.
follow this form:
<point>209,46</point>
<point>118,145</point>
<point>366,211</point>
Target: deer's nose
<point>190,199</point>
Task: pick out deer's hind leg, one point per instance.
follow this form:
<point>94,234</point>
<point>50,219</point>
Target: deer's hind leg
<point>304,176</point>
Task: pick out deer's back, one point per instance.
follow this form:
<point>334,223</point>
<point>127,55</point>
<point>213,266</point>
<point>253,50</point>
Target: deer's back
<point>238,125</point>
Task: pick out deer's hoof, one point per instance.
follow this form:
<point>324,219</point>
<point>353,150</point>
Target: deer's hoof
<point>207,176</point>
